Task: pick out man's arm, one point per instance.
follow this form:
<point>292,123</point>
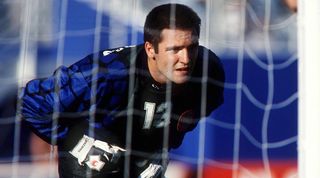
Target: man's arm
<point>46,104</point>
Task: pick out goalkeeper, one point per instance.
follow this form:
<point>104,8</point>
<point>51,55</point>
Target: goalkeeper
<point>118,112</point>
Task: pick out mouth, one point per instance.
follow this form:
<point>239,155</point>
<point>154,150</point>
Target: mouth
<point>183,70</point>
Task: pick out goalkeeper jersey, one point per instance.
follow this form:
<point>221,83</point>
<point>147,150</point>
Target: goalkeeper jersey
<point>108,88</point>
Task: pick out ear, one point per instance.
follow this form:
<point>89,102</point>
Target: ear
<point>149,50</point>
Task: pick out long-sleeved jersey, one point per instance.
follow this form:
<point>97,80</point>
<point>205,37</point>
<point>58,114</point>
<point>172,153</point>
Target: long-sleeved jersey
<point>107,89</point>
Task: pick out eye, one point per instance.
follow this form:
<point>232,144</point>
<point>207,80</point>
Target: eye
<point>176,50</point>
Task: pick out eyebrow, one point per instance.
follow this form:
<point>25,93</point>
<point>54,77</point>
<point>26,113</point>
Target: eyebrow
<point>181,47</point>
<point>174,48</point>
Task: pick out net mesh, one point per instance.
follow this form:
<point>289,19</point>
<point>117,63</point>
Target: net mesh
<point>253,134</point>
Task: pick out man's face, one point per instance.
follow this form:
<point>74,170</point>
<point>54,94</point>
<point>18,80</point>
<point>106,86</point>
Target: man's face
<point>177,52</point>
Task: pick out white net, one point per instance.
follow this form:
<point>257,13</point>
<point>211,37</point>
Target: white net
<point>253,134</point>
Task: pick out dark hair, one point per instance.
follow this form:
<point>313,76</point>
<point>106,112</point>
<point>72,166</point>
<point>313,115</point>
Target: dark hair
<point>171,16</point>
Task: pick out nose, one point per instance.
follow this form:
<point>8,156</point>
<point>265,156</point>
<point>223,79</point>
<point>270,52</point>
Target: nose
<point>184,56</point>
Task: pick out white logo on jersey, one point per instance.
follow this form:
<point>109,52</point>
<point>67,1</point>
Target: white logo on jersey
<point>107,52</point>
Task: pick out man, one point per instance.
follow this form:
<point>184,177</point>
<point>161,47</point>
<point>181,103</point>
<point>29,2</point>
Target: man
<point>117,113</point>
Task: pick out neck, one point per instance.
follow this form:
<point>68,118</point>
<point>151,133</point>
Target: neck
<point>155,73</point>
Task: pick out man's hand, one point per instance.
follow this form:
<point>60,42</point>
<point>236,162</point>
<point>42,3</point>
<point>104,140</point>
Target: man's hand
<point>95,153</point>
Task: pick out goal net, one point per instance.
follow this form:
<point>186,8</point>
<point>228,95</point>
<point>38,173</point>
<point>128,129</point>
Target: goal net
<point>253,134</point>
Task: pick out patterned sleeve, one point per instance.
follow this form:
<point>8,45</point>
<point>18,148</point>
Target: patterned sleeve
<point>48,104</point>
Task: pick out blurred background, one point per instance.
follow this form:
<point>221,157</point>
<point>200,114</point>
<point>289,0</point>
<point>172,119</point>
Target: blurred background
<point>254,134</point>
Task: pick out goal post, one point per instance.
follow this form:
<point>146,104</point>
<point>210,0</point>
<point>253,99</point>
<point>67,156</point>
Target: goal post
<point>309,88</point>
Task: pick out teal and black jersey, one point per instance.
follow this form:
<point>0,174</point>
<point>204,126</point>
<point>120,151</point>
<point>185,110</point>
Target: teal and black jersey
<point>97,87</point>
<point>110,96</point>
